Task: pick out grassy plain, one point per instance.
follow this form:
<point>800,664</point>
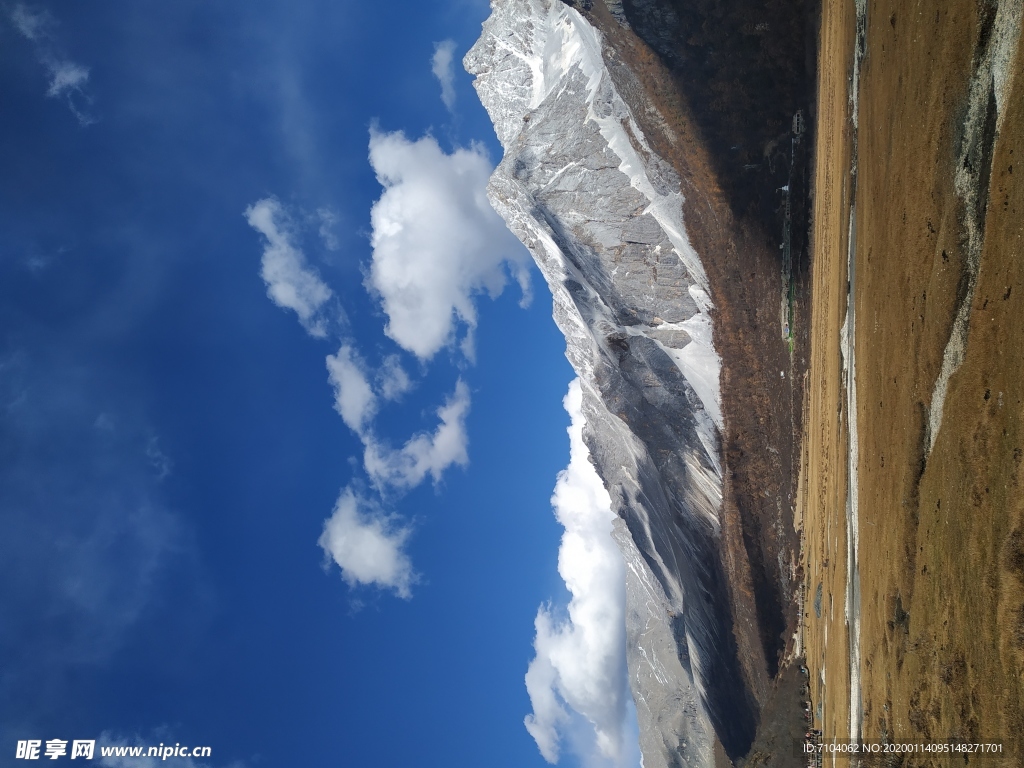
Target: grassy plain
<point>822,498</point>
<point>941,523</point>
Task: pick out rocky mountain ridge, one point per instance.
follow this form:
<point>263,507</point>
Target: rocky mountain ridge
<point>602,216</point>
<point>629,224</point>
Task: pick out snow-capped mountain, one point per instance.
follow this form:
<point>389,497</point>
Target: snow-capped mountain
<point>602,215</point>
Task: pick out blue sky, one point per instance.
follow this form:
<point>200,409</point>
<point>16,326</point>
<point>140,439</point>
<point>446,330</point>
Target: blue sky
<point>171,439</point>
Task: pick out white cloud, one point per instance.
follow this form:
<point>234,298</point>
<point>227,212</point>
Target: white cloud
<point>436,244</point>
<point>67,82</point>
<point>353,397</point>
<point>328,220</point>
<point>32,24</point>
<point>368,545</point>
<point>66,77</point>
<point>423,454</point>
<point>579,672</point>
<point>158,460</point>
<point>392,380</point>
<point>549,715</point>
<point>436,240</point>
<point>291,283</point>
<point>366,542</point>
<point>441,66</point>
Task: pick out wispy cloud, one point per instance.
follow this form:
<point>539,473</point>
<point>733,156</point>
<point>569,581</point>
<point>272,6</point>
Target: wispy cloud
<point>158,460</point>
<point>68,79</point>
<point>436,240</point>
<point>368,545</point>
<point>89,538</point>
<point>291,282</point>
<point>426,453</point>
<point>441,66</point>
<point>392,380</point>
<point>67,82</point>
<point>328,220</point>
<point>354,398</point>
<point>577,681</point>
<point>34,24</point>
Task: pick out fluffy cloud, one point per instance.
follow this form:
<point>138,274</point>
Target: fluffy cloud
<point>366,542</point>
<point>441,66</point>
<point>436,240</point>
<point>368,545</point>
<point>423,454</point>
<point>354,399</point>
<point>579,674</point>
<point>437,243</point>
<point>291,283</point>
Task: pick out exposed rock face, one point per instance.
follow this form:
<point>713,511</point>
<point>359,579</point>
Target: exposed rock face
<point>603,216</point>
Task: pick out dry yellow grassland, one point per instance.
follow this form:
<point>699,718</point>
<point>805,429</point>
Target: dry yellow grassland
<point>823,483</point>
<point>940,513</point>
